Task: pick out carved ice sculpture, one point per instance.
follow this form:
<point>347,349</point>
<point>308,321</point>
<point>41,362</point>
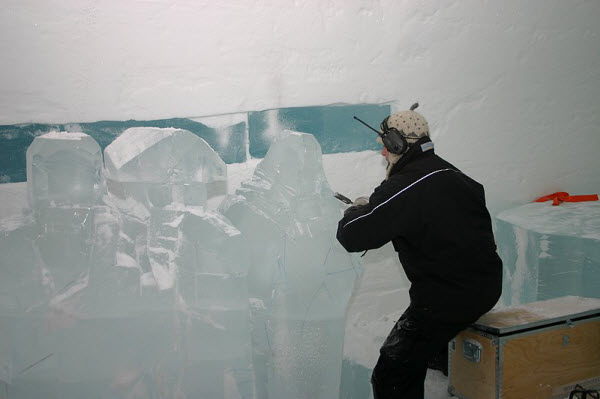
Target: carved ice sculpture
<point>300,278</point>
<point>119,283</point>
<point>137,295</point>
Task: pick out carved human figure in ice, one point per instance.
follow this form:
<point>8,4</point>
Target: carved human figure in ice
<point>159,180</point>
<point>135,294</point>
<point>48,260</point>
<point>300,278</point>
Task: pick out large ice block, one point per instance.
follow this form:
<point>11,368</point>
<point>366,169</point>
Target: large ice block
<point>549,251</point>
<point>64,169</point>
<point>300,278</point>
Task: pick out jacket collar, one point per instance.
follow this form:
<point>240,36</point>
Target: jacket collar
<point>421,147</point>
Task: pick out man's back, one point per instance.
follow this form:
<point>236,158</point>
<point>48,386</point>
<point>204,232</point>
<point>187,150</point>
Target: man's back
<point>436,218</point>
<point>449,254</point>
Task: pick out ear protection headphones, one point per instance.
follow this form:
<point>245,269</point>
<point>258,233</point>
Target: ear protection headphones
<point>393,139</point>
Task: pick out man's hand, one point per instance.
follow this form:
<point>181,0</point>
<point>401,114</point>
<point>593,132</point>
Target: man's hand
<point>357,203</point>
<point>361,201</point>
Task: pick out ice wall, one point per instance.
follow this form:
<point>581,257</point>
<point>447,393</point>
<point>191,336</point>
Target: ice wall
<point>234,137</point>
<point>549,251</point>
<point>495,80</point>
<point>333,126</point>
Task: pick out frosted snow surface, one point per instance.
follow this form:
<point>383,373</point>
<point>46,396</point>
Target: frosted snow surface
<point>300,278</point>
<point>550,251</point>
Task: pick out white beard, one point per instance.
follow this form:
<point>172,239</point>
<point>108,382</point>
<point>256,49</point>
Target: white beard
<point>392,160</point>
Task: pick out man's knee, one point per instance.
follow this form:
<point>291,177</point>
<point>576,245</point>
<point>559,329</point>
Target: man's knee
<point>378,387</point>
<point>394,376</point>
<point>383,377</point>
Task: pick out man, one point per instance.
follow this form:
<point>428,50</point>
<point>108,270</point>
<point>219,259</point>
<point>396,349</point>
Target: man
<point>436,218</point>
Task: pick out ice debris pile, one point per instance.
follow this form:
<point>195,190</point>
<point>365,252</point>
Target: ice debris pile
<point>119,282</point>
<point>549,251</point>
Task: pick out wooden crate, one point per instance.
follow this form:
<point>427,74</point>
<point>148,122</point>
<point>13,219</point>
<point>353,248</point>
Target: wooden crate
<point>534,351</point>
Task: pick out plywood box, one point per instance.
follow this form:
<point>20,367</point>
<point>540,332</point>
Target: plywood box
<point>534,351</point>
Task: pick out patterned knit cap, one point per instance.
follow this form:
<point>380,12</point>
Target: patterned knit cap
<point>411,123</point>
<point>412,126</point>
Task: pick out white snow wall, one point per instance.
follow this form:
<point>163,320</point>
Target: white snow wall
<point>510,88</point>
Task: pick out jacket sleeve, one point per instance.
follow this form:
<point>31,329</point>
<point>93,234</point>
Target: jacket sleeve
<point>387,215</point>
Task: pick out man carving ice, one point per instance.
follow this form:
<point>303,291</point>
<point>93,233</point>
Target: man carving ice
<point>437,220</point>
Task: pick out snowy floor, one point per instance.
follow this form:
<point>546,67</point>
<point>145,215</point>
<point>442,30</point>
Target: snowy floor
<point>381,295</point>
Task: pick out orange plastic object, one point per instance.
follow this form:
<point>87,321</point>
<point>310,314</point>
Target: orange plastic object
<point>561,196</point>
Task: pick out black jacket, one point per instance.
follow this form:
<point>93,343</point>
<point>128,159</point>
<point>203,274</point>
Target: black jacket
<point>437,220</point>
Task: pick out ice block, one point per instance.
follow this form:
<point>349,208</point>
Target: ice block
<point>549,251</point>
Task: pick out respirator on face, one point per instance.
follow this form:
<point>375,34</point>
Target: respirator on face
<point>393,139</point>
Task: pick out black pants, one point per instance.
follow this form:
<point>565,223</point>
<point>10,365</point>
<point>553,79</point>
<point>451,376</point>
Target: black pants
<point>416,338</point>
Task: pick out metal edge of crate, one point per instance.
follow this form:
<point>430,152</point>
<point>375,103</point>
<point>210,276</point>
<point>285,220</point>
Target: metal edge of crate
<point>499,343</point>
<point>570,322</point>
<point>535,325</point>
<point>451,390</point>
